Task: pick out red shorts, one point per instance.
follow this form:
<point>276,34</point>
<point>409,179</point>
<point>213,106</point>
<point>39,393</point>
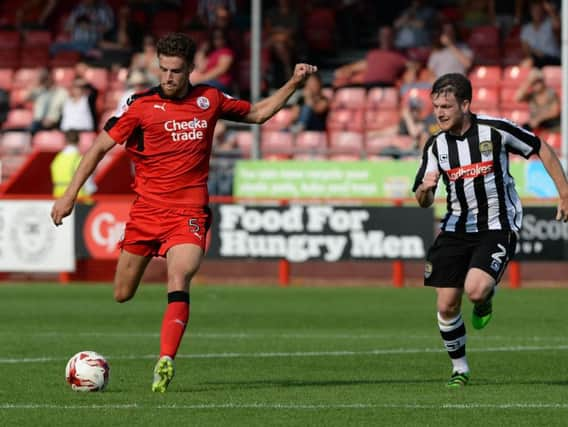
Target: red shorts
<point>153,230</point>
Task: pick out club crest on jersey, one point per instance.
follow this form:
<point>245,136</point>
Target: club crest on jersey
<point>486,147</point>
<point>428,269</point>
<point>203,102</point>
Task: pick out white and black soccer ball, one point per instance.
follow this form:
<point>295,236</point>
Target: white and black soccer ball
<point>87,371</point>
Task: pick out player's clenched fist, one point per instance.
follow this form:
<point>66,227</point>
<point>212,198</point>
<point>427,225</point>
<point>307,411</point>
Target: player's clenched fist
<point>430,180</point>
<point>302,71</point>
<point>61,208</point>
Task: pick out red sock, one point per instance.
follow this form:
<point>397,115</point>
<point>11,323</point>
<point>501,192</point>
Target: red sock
<point>174,323</point>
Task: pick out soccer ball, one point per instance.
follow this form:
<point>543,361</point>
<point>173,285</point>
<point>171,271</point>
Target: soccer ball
<point>87,371</point>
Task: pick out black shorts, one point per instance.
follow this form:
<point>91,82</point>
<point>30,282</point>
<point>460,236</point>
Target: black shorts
<point>453,254</point>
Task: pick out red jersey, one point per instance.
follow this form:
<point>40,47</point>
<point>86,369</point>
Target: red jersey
<point>169,141</point>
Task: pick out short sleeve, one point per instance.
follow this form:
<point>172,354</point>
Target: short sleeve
<point>429,163</point>
<point>120,127</point>
<point>231,108</point>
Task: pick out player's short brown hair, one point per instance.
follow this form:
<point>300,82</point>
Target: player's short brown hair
<point>177,44</point>
<point>455,83</point>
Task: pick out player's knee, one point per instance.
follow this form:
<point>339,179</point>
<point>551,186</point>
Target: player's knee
<point>477,294</point>
<point>121,293</point>
<point>448,310</point>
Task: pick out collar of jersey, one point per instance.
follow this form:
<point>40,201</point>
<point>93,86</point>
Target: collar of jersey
<point>173,98</point>
<point>471,130</point>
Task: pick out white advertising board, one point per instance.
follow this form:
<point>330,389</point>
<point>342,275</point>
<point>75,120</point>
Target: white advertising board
<point>29,242</point>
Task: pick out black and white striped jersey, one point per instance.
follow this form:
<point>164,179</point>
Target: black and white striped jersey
<point>480,190</point>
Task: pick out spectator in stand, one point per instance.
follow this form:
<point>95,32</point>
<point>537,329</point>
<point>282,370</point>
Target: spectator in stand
<point>4,105</point>
<point>48,102</point>
<point>541,36</point>
<point>475,13</point>
<point>544,103</point>
<point>215,60</point>
<point>449,55</point>
<point>147,60</point>
<point>35,14</point>
<point>79,109</point>
<point>413,24</point>
<point>381,67</point>
<point>117,46</point>
<point>207,10</point>
<point>283,24</point>
<point>137,82</point>
<point>65,164</point>
<point>411,78</point>
<point>415,123</point>
<point>310,111</point>
<point>87,24</point>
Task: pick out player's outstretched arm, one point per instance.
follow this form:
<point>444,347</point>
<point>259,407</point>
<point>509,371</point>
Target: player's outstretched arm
<point>266,108</point>
<point>64,205</point>
<point>554,168</point>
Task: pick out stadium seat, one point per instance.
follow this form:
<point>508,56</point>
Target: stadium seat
<point>18,99</point>
<point>379,144</point>
<point>65,59</point>
<point>111,99</point>
<point>353,98</point>
<point>346,143</point>
<point>319,29</point>
<point>24,78</point>
<point>380,120</point>
<point>15,143</point>
<point>244,141</point>
<point>306,157</point>
<point>347,120</point>
<point>493,112</point>
<point>9,57</point>
<point>49,140</point>
<point>165,21</point>
<point>553,75</point>
<point>19,118</point>
<point>37,38</point>
<point>514,76</point>
<point>34,56</point>
<point>276,143</point>
<point>280,121</point>
<point>422,94</point>
<point>6,77</point>
<point>63,76</point>
<point>98,77</point>
<point>517,116</point>
<point>508,102</point>
<point>344,157</point>
<point>484,36</point>
<point>311,142</point>
<point>484,97</point>
<point>380,98</point>
<point>488,76</point>
<point>11,164</point>
<point>9,39</point>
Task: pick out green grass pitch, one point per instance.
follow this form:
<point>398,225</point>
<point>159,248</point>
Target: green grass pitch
<point>267,356</point>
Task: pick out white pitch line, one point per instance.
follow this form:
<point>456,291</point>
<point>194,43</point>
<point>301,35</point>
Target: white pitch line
<point>337,353</point>
<point>293,406</point>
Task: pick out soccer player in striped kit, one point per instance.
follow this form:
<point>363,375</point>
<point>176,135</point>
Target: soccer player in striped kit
<point>168,132</point>
<point>479,231</point>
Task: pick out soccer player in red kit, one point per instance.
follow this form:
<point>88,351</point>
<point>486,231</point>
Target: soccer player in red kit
<point>168,132</point>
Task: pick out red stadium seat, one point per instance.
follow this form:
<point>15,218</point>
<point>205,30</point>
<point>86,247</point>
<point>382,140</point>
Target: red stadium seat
<point>344,157</point>
<point>165,21</point>
<point>18,119</point>
<point>311,141</point>
<point>514,76</point>
<point>346,143</point>
<point>15,143</point>
<point>6,77</point>
<point>348,120</point>
<point>25,78</point>
<point>244,141</point>
<point>98,77</point>
<point>485,76</point>
<point>377,144</point>
<point>484,36</point>
<point>353,98</point>
<point>553,75</point>
<point>319,29</point>
<point>9,39</point>
<point>380,120</point>
<point>63,76</point>
<point>12,164</point>
<point>508,102</point>
<point>484,98</point>
<point>380,98</point>
<point>34,56</point>
<point>37,38</point>
<point>9,57</point>
<point>18,99</point>
<point>280,121</point>
<point>277,143</point>
<point>65,59</point>
<point>49,140</point>
<point>517,116</point>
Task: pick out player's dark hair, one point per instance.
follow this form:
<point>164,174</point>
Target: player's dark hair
<point>455,83</point>
<point>177,44</point>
